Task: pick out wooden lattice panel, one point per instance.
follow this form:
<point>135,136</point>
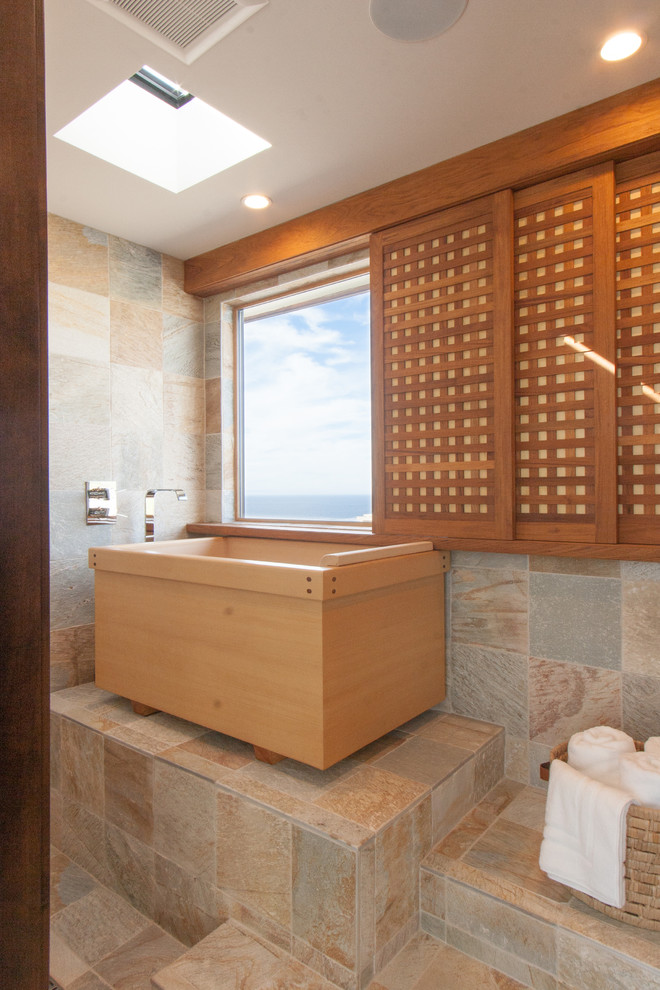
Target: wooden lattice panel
<point>638,358</point>
<point>555,460</point>
<point>438,369</point>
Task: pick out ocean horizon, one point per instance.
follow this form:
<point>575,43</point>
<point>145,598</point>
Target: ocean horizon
<point>342,508</point>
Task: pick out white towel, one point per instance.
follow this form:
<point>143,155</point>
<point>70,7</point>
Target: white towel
<point>584,839</point>
<point>596,752</point>
<point>640,776</point>
<point>652,746</point>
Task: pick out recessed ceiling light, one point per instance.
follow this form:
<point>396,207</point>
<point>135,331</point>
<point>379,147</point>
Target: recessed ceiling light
<point>256,201</point>
<point>621,45</point>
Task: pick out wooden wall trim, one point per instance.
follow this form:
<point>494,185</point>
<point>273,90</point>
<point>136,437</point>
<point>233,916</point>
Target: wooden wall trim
<point>616,128</point>
<point>24,818</point>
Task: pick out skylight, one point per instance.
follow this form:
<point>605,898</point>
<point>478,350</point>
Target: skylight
<point>170,138</point>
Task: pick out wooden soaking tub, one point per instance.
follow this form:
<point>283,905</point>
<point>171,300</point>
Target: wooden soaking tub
<point>305,650</point>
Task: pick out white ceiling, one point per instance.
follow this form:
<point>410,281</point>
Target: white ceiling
<point>344,107</point>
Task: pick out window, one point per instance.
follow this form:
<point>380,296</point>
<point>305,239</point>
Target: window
<point>304,406</point>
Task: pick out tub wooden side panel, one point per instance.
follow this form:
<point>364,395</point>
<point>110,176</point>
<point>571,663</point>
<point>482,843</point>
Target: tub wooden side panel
<point>243,663</point>
<point>384,662</point>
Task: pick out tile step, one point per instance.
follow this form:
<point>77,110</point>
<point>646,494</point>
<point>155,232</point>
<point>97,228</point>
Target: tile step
<point>232,957</point>
<point>483,892</point>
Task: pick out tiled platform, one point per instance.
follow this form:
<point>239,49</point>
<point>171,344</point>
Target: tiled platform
<point>483,893</point>
<point>191,830</point>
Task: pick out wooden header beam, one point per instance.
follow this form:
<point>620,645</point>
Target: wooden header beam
<point>616,128</point>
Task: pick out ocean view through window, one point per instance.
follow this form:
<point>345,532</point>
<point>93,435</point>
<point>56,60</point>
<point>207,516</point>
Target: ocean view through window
<point>304,407</point>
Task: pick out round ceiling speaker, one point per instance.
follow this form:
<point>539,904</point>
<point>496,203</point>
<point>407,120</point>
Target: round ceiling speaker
<point>415,20</point>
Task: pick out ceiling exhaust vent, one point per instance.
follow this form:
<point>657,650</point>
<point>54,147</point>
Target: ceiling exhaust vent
<point>183,28</point>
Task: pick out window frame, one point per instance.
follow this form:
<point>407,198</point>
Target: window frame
<point>276,295</point>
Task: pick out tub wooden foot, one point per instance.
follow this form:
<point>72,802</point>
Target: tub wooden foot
<point>267,755</point>
<point>141,709</point>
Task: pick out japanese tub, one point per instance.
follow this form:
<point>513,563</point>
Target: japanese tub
<point>308,650</point>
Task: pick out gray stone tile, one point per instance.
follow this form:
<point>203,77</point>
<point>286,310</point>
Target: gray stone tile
<point>576,565</point>
<point>212,365</point>
<point>586,965</point>
<point>80,409</point>
<point>424,760</point>
<point>490,684</point>
<point>135,273</point>
<point>399,850</point>
<point>641,627</point>
<point>185,819</point>
<point>641,706</point>
<point>183,346</point>
<point>520,971</point>
<point>575,618</point>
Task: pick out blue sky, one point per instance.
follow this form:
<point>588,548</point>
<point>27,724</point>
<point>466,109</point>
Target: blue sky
<point>307,402</point>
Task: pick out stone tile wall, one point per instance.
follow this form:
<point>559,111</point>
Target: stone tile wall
<point>548,646</point>
<point>126,354</point>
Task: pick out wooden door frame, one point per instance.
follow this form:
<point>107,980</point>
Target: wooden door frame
<point>24,606</point>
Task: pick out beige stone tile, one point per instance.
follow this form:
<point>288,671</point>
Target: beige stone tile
<point>516,758</point>
<point>432,894</point>
<point>567,698</point>
<point>228,958</point>
<point>183,346</point>
<point>212,405</point>
<point>55,750</point>
<point>477,821</point>
<point>136,335</point>
<point>129,789</point>
<point>133,964</point>
<point>184,404</point>
<point>71,656</point>
<point>78,323</point>
<point>333,971</point>
<point>258,923</point>
<point>460,732</point>
<point>452,799</point>
<point>89,981</point>
<point>175,298</point>
<point>185,820</point>
<point>400,849</point>
<point>65,965</point>
<point>137,425</point>
<point>216,748</point>
<point>130,869</point>
<point>324,896</point>
<point>454,971</point>
<point>254,857</point>
<point>68,882</point>
<point>82,766</point>
<point>423,760</point>
<point>77,255</point>
<point>98,924</point>
<point>404,972</point>
<point>511,852</point>
<point>183,463</point>
<point>641,627</point>
<point>299,780</point>
<point>576,565</point>
<point>380,747</point>
<point>331,823</point>
<point>489,607</point>
<point>366,920</point>
<point>371,797</point>
<point>185,906</point>
<point>527,808</point>
<point>488,766</point>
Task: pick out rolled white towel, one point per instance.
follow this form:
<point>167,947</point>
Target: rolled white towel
<point>640,776</point>
<point>597,752</point>
<point>652,746</point>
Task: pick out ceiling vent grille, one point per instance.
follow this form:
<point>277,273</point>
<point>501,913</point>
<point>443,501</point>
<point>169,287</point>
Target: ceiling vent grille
<point>184,28</point>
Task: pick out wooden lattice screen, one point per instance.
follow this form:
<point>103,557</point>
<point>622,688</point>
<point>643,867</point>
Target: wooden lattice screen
<point>563,351</point>
<point>638,354</point>
<point>442,367</point>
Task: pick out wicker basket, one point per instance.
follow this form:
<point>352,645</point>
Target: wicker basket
<point>642,866</point>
